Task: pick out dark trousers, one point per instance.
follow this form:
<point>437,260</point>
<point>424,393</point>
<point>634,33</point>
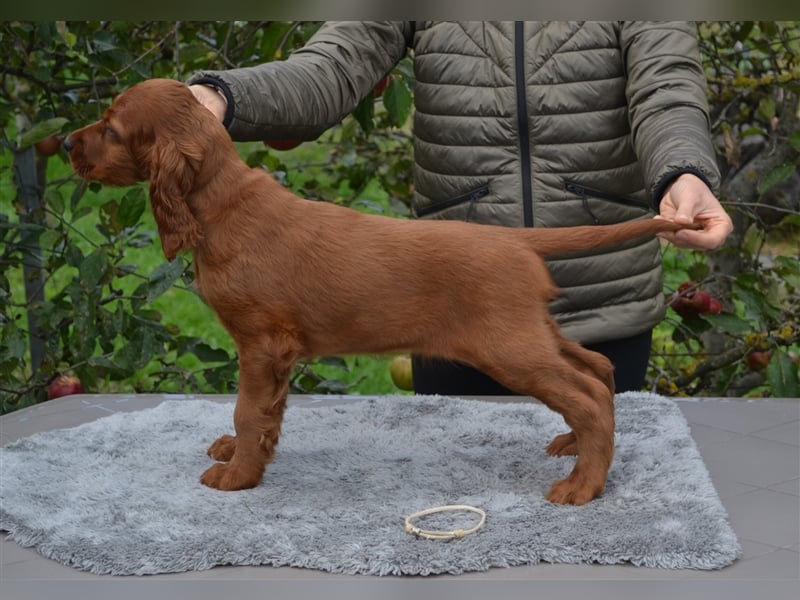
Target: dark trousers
<point>449,378</point>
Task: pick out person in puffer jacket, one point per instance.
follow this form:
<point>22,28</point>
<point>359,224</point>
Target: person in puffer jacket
<point>522,124</point>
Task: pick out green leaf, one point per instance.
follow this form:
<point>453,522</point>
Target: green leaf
<point>132,208</point>
<point>782,376</point>
<point>333,361</point>
<point>757,307</point>
<point>77,194</point>
<point>397,99</point>
<point>272,39</point>
<point>202,350</point>
<point>794,140</point>
<point>405,68</point>
<point>41,130</point>
<point>142,346</point>
<point>54,199</point>
<point>93,269</point>
<point>70,39</point>
<point>14,345</point>
<point>163,277</point>
<point>109,221</point>
<point>123,270</point>
<point>769,28</point>
<point>83,336</point>
<point>693,325</point>
<point>222,378</point>
<point>364,113</point>
<point>147,318</point>
<point>766,107</point>
<point>730,324</point>
<point>740,33</point>
<point>73,254</point>
<point>141,239</point>
<point>104,41</point>
<point>50,238</point>
<point>698,271</point>
<point>752,131</point>
<point>104,366</point>
<point>775,176</point>
<point>789,270</point>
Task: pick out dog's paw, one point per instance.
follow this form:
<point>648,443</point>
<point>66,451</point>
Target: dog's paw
<point>226,477</point>
<point>565,444</point>
<point>569,491</point>
<point>223,449</point>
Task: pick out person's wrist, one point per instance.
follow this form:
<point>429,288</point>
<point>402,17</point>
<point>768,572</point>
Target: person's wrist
<point>212,98</point>
<point>666,182</point>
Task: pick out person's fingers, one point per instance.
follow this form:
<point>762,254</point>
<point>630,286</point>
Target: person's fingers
<point>715,229</point>
<point>689,201</point>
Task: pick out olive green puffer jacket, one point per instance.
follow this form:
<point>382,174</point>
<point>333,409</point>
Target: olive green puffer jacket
<point>517,124</point>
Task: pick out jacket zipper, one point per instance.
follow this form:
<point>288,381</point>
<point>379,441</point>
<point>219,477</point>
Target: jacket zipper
<point>470,197</point>
<point>522,122</point>
<point>585,192</point>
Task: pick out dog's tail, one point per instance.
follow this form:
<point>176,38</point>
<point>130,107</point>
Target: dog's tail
<point>555,241</point>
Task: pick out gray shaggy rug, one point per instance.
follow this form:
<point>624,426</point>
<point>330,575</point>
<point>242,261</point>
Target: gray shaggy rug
<point>121,495</point>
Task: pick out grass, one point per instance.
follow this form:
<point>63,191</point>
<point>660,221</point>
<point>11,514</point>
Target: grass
<point>182,307</point>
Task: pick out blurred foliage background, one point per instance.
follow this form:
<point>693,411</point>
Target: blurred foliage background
<point>84,288</point>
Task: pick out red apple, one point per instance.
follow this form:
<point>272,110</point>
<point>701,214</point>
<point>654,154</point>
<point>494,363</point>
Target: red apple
<point>758,360</point>
<point>381,86</point>
<point>64,385</point>
<point>683,308</point>
<point>49,145</point>
<point>689,301</point>
<point>701,301</point>
<point>682,304</point>
<point>715,306</point>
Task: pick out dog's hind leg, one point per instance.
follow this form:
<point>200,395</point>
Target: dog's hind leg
<point>592,364</point>
<point>587,361</point>
<point>261,402</point>
<point>584,401</point>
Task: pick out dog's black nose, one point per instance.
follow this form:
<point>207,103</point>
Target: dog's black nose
<point>68,145</point>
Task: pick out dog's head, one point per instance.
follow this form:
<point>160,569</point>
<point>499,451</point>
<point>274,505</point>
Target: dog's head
<point>155,131</point>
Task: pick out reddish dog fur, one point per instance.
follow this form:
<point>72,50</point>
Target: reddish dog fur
<point>291,278</point>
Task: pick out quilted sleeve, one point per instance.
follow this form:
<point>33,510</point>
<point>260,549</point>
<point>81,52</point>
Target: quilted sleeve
<point>316,87</point>
<point>668,106</point>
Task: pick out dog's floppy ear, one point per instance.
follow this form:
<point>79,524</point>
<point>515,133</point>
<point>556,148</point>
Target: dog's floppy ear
<point>171,180</point>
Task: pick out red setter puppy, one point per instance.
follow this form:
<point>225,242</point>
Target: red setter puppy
<point>293,278</point>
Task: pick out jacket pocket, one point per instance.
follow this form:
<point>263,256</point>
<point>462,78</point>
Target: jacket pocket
<point>467,198</point>
<point>585,193</point>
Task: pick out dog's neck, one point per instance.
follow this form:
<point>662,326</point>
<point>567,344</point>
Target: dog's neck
<point>224,189</point>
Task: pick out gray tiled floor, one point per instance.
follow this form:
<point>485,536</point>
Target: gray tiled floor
<point>751,449</point>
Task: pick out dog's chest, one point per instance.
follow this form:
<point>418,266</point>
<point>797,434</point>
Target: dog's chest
<point>218,285</point>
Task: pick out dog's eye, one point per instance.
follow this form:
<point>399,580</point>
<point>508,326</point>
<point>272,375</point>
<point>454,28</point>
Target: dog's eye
<point>109,132</point>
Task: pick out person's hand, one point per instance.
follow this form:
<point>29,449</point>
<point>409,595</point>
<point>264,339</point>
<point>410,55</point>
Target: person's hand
<point>211,99</point>
<point>689,201</point>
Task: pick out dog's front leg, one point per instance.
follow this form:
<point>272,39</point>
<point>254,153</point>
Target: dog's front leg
<point>257,418</point>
